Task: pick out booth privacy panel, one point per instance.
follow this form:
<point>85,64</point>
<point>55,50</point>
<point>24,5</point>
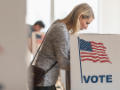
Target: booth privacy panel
<point>95,62</point>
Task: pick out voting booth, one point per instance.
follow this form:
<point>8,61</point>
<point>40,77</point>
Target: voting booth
<point>37,38</point>
<point>95,62</point>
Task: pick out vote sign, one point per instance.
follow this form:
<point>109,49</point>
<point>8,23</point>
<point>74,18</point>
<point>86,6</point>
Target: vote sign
<point>95,62</point>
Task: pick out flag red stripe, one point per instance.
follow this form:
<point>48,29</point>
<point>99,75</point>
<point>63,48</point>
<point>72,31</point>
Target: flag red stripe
<point>90,53</point>
<point>87,59</point>
<point>102,54</point>
<point>96,43</point>
<point>103,57</point>
<point>89,56</point>
<point>94,57</point>
<point>39,41</point>
<point>99,51</point>
<point>105,61</point>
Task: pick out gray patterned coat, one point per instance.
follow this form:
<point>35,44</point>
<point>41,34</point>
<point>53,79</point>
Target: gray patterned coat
<point>56,47</point>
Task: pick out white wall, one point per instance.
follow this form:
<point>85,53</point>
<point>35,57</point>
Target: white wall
<point>109,16</point>
<point>13,40</point>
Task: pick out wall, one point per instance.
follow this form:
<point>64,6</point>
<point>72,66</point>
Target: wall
<point>13,42</point>
<point>109,16</point>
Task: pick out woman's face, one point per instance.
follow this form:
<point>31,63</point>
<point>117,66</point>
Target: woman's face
<point>84,22</point>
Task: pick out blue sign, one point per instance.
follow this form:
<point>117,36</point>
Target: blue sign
<point>95,79</point>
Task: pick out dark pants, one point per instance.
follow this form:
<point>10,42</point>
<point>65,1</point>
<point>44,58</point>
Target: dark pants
<point>45,88</point>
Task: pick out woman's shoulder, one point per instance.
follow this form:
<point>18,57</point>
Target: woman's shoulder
<point>58,26</point>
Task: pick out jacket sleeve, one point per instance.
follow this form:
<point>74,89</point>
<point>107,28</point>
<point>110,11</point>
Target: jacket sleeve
<point>61,46</point>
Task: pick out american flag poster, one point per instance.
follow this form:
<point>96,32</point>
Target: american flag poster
<point>92,51</point>
<point>39,38</point>
<point>95,62</point>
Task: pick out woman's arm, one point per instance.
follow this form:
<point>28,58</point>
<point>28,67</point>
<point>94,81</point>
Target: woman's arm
<point>62,47</point>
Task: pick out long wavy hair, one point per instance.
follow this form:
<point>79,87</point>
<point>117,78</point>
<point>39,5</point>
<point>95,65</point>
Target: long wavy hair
<point>72,18</point>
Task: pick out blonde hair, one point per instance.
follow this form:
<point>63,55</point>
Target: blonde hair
<point>72,18</point>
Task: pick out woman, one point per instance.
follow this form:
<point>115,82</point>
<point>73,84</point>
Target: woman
<point>56,46</point>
